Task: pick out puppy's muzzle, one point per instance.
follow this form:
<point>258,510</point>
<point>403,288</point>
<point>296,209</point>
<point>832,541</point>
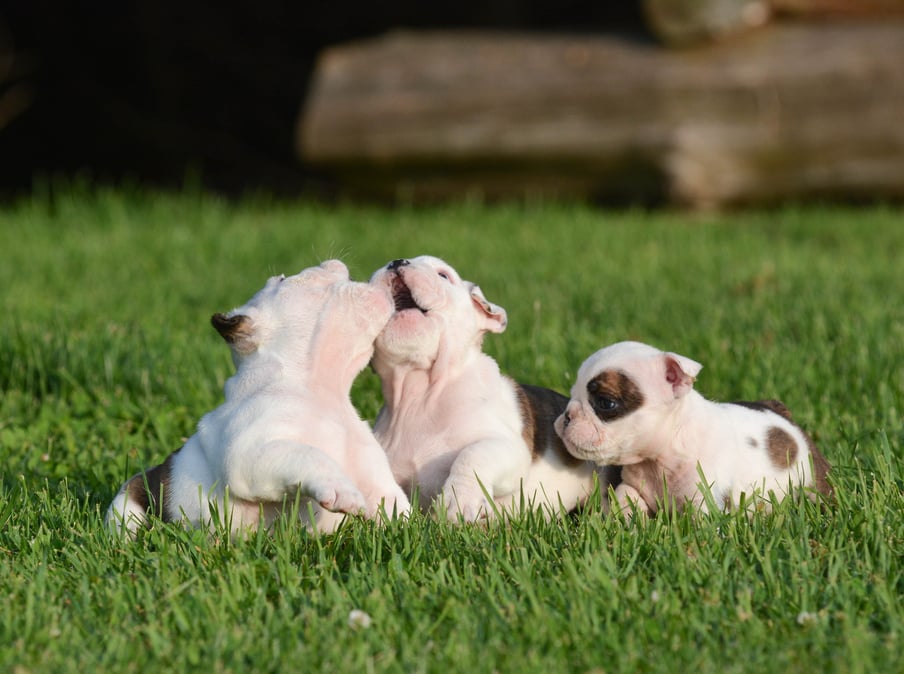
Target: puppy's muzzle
<point>395,265</point>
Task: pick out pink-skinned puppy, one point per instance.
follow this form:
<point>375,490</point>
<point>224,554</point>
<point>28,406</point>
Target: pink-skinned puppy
<point>453,426</point>
<point>287,427</point>
<point>635,406</point>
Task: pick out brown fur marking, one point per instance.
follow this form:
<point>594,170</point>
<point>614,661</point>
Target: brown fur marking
<point>821,468</point>
<point>613,395</point>
<point>540,407</point>
<point>148,489</point>
<point>236,330</point>
<point>137,491</point>
<point>781,447</point>
<point>776,406</point>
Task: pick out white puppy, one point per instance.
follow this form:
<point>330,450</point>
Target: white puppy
<point>287,426</point>
<point>452,425</point>
<point>635,406</point>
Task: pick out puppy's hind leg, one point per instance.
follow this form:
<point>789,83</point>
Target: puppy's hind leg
<point>283,468</point>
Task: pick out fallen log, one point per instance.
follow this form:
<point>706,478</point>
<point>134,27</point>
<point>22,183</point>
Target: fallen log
<point>686,22</point>
<point>791,111</point>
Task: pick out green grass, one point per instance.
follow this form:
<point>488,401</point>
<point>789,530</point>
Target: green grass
<point>107,360</point>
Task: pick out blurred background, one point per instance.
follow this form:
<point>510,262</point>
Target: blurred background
<point>699,103</point>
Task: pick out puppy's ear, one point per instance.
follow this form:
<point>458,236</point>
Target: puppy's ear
<point>496,319</point>
<point>238,331</point>
<point>681,372</point>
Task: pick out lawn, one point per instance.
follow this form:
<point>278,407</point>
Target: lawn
<point>107,360</point>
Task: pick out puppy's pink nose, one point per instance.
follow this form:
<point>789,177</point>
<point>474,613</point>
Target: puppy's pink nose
<point>395,264</point>
<point>572,409</point>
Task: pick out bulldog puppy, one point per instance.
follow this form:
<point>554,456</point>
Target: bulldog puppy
<point>635,406</point>
<point>454,428</point>
<point>287,426</point>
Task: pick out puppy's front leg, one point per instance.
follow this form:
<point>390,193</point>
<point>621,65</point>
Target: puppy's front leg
<point>378,485</point>
<point>630,499</point>
<point>497,465</point>
<point>283,468</point>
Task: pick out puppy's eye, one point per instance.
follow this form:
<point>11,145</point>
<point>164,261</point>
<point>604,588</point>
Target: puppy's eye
<point>444,275</point>
<point>613,395</point>
<point>607,404</point>
<point>606,407</point>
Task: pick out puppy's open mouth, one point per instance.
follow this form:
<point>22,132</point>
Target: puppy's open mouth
<point>401,295</point>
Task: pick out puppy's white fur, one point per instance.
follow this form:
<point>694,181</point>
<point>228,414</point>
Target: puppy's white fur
<point>287,426</point>
<point>635,406</point>
<point>454,428</point>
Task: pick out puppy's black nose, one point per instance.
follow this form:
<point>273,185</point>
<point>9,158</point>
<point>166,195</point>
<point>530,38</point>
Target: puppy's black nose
<point>566,418</point>
<point>395,264</point>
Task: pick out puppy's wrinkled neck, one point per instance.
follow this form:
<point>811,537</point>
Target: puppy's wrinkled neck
<point>402,385</point>
<point>413,385</point>
<point>455,361</point>
<point>338,374</point>
<point>254,374</point>
<point>265,370</point>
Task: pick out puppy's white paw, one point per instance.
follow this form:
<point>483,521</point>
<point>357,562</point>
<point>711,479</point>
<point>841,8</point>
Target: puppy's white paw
<point>629,501</point>
<point>391,506</point>
<point>339,496</point>
<point>469,503</point>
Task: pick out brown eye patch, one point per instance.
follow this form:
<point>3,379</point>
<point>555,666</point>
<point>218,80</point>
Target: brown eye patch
<point>613,395</point>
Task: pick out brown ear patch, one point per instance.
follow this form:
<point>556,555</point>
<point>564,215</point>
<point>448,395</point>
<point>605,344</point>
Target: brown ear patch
<point>236,330</point>
<point>613,394</point>
<point>781,447</point>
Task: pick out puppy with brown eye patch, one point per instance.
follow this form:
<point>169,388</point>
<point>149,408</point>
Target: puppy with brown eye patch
<point>634,406</point>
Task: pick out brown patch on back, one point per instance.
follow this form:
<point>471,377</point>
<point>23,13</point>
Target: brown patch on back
<point>781,447</point>
<point>613,394</point>
<point>540,407</point>
<point>821,466</point>
<point>149,488</point>
<point>776,406</point>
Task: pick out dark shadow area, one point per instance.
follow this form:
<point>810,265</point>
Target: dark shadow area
<point>151,91</point>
